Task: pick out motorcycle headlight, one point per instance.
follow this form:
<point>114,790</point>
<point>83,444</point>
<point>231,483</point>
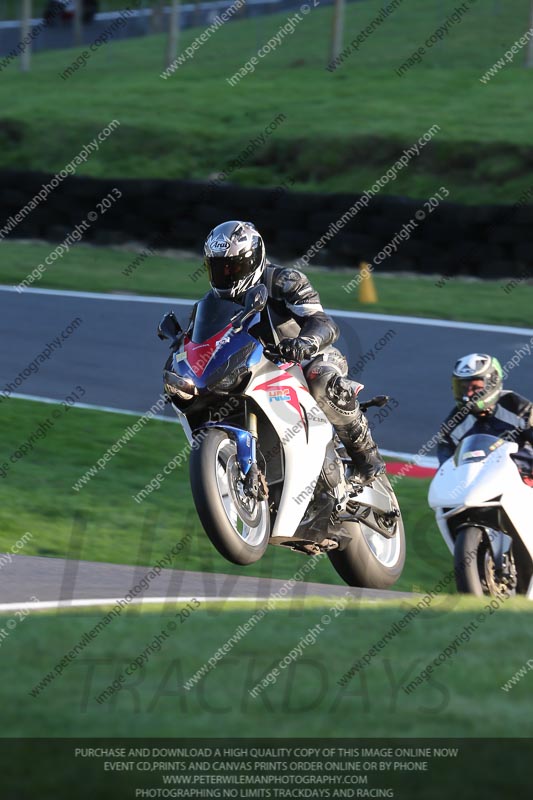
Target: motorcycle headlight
<point>232,379</point>
<point>176,386</point>
<point>229,374</point>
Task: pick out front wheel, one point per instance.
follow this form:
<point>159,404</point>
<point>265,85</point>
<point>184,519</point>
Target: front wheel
<point>237,525</point>
<point>475,571</point>
<point>372,560</point>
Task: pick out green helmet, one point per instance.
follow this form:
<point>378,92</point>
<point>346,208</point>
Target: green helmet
<point>477,367</point>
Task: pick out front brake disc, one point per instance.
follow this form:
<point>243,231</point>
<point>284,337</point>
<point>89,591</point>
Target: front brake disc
<point>247,508</point>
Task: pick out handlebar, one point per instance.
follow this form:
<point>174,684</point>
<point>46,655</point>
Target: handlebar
<point>271,353</point>
<point>379,400</point>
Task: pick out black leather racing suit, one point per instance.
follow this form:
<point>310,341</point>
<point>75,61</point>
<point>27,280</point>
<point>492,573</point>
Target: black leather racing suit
<point>512,419</point>
<point>293,310</point>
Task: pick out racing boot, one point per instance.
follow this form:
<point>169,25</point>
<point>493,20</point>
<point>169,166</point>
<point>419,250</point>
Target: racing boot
<point>354,432</point>
<point>362,449</point>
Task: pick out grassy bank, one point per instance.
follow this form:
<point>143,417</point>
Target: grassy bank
<point>359,117</point>
<point>102,270</point>
<point>306,700</point>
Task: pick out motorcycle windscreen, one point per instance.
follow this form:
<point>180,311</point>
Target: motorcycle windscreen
<point>217,355</point>
<point>212,315</point>
<point>476,448</point>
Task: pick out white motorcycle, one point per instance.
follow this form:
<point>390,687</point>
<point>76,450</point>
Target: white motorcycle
<point>266,465</point>
<point>483,510</point>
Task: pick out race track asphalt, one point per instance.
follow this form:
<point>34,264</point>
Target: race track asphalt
<point>115,355</point>
<point>56,579</point>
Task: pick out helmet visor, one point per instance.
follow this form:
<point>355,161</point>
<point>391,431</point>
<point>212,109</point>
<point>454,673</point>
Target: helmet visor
<point>477,393</point>
<point>225,271</point>
<point>465,390</point>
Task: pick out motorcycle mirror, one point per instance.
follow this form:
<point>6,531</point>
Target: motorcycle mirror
<point>256,298</point>
<point>169,327</point>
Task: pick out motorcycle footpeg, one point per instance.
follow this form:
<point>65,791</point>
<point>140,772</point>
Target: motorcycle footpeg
<point>352,509</point>
<point>391,515</point>
<point>354,488</point>
<point>353,505</point>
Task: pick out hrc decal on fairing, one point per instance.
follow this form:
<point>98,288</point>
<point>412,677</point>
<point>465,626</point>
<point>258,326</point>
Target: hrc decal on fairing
<point>282,393</point>
<point>292,398</point>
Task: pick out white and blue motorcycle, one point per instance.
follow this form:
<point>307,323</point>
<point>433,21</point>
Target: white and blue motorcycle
<point>266,466</point>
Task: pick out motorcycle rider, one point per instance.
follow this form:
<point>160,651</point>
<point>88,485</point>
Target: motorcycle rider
<point>483,406</point>
<point>296,323</point>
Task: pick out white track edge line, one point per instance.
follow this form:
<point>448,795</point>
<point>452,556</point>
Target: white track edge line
<point>44,605</point>
<point>34,398</point>
<point>420,321</point>
<point>423,462</point>
<point>132,298</point>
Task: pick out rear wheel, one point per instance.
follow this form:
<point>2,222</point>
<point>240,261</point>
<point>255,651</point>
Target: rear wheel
<point>372,560</point>
<point>237,525</point>
<point>475,571</point>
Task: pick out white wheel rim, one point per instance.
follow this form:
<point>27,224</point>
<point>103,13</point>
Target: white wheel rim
<point>386,551</point>
<point>253,536</point>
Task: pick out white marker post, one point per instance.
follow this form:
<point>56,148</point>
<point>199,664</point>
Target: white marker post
<point>78,29</point>
<point>337,34</point>
<point>529,51</point>
<point>173,33</point>
<point>25,56</point>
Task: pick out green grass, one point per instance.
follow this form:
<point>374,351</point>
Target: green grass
<point>101,270</point>
<point>343,129</point>
<point>102,522</point>
<point>457,700</point>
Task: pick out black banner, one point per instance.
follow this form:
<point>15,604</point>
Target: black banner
<point>325,769</point>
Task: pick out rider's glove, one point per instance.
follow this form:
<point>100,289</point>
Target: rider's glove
<point>298,349</point>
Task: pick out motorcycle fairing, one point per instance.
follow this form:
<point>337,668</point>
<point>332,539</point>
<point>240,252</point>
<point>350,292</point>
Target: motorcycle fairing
<point>202,361</point>
<point>304,432</point>
<point>199,354</point>
<point>492,482</point>
<point>246,447</point>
